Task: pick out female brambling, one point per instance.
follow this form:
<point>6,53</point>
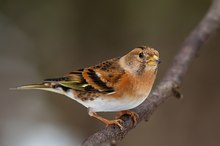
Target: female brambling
<point>118,84</point>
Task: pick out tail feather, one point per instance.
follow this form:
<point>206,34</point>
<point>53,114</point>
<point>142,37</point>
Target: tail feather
<point>34,86</point>
<point>52,87</point>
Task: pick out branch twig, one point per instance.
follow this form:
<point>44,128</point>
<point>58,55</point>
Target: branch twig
<point>171,82</point>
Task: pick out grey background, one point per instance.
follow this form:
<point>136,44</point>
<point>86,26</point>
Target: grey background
<point>42,39</point>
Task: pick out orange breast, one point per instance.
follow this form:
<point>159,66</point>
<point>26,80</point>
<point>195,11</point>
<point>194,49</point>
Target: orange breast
<point>131,86</point>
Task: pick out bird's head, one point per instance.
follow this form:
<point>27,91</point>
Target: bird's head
<point>140,59</point>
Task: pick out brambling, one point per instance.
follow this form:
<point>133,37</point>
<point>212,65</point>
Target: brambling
<point>115,85</point>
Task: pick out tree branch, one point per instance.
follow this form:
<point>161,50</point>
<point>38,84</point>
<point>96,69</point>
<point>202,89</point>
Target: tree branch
<point>170,83</point>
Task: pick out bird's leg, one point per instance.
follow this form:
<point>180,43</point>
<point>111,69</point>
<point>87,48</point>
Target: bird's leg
<point>133,115</point>
<point>106,121</point>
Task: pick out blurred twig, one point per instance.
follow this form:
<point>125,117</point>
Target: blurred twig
<point>171,82</point>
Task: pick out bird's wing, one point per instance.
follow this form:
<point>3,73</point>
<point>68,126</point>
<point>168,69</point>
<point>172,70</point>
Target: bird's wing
<point>99,78</point>
<point>74,80</point>
<point>104,76</point>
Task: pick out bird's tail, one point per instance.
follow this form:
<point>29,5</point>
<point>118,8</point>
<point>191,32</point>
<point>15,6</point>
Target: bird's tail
<point>34,86</point>
<point>48,86</point>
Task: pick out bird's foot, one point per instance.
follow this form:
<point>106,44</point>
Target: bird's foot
<point>106,121</point>
<point>116,122</point>
<point>133,115</point>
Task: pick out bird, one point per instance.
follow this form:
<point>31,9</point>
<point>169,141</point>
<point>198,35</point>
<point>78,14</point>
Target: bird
<point>115,85</point>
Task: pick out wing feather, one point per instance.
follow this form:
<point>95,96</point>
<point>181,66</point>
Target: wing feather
<point>100,78</point>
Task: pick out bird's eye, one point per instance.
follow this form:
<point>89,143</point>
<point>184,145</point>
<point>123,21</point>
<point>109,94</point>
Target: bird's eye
<point>141,55</point>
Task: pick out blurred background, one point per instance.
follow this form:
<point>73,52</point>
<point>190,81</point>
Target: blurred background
<point>49,38</point>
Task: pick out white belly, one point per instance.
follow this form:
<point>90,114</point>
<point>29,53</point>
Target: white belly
<point>108,105</point>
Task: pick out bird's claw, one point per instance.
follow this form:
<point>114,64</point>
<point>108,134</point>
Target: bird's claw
<point>116,122</point>
<point>133,115</point>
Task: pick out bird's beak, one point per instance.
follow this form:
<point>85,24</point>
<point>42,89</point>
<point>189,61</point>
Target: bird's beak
<point>157,59</point>
<point>154,60</point>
